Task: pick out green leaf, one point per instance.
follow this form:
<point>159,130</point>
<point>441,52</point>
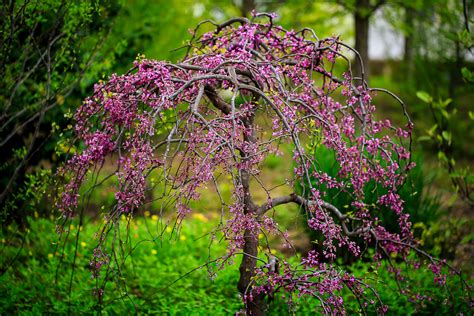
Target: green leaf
<point>447,136</point>
<point>453,199</point>
<point>445,114</point>
<point>445,103</point>
<point>424,138</point>
<point>424,96</point>
<point>467,238</point>
<point>442,156</point>
<point>467,74</point>
<point>432,130</point>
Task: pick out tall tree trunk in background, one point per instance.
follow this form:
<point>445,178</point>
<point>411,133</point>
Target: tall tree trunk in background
<point>361,19</point>
<point>247,7</point>
<point>455,72</point>
<point>408,56</point>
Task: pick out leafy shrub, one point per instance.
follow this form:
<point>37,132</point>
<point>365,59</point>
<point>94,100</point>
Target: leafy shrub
<point>421,207</point>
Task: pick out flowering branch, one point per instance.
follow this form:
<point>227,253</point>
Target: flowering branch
<point>294,198</point>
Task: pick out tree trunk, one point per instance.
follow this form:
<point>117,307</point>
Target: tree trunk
<point>455,73</point>
<point>247,270</point>
<point>408,57</point>
<point>247,7</point>
<point>361,19</point>
<point>249,260</point>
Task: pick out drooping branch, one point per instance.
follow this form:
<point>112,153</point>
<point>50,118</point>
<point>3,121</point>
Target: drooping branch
<point>307,204</point>
<point>216,100</point>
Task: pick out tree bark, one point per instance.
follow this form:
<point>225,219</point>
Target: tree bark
<point>455,77</point>
<point>250,248</point>
<point>361,19</point>
<point>408,56</point>
<point>247,270</point>
<point>247,7</point>
<point>249,260</point>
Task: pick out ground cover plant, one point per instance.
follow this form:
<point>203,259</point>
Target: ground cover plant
<point>155,283</point>
<point>245,88</point>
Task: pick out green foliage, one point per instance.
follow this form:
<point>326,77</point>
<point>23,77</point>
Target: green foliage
<point>440,135</point>
<point>36,191</point>
<point>445,237</point>
<point>54,52</point>
<point>48,50</point>
<point>422,282</point>
<point>467,75</point>
<point>97,38</point>
<point>418,204</point>
<point>272,162</point>
<point>433,303</point>
<point>295,14</point>
<point>38,282</point>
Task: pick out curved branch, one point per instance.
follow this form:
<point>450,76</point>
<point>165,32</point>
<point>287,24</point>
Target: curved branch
<point>294,198</point>
<point>216,100</point>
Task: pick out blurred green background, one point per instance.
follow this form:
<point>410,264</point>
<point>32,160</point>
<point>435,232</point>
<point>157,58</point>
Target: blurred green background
<point>51,54</point>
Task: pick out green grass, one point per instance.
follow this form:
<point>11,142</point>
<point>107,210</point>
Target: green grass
<point>38,282</point>
<point>30,284</point>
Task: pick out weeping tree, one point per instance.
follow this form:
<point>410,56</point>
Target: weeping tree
<point>244,90</point>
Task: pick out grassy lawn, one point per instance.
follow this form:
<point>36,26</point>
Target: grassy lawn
<point>165,274</point>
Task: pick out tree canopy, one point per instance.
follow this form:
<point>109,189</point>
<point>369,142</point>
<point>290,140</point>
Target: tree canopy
<point>242,91</point>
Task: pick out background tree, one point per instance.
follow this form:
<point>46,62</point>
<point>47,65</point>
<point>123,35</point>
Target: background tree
<point>52,53</point>
<point>47,48</point>
<point>362,12</point>
<point>439,32</point>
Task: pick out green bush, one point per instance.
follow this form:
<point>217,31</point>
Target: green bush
<point>421,207</point>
